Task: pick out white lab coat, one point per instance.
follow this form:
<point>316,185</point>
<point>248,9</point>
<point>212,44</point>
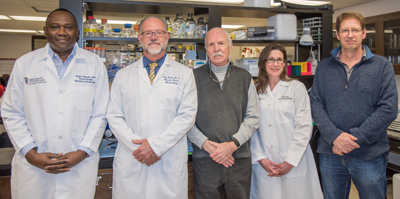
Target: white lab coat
<point>162,113</point>
<point>58,116</point>
<point>283,135</point>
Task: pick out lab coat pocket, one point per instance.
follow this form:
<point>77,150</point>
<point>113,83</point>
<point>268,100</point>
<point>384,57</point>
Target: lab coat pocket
<point>170,96</point>
<point>125,162</point>
<point>84,98</point>
<point>286,112</point>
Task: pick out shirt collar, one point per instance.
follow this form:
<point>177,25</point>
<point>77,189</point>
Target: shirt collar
<point>146,61</point>
<point>364,55</point>
<point>53,54</point>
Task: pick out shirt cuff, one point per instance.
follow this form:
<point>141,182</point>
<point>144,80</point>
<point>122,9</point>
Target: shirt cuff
<point>28,147</point>
<point>87,150</point>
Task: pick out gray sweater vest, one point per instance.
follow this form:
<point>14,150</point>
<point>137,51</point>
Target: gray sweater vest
<point>221,112</point>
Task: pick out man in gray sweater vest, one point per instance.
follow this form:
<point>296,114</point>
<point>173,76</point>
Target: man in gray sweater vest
<point>227,117</point>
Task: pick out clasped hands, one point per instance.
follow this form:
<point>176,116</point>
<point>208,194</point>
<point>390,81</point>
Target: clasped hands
<point>221,152</point>
<point>144,153</point>
<point>274,169</point>
<point>55,163</point>
<point>344,143</point>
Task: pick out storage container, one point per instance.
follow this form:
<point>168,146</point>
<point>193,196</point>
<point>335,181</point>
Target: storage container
<point>285,26</point>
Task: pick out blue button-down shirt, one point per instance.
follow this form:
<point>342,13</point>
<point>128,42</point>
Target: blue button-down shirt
<point>60,66</point>
<point>160,62</point>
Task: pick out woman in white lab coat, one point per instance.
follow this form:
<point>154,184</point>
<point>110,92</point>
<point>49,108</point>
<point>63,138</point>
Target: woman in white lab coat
<point>283,163</point>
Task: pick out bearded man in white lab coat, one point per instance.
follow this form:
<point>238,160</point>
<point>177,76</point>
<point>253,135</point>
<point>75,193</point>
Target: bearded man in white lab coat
<point>54,112</point>
<point>153,104</point>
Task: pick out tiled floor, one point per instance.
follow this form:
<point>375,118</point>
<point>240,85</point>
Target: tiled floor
<point>354,192</point>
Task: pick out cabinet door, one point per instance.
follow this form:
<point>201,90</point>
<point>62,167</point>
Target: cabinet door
<point>370,38</point>
<point>392,41</point>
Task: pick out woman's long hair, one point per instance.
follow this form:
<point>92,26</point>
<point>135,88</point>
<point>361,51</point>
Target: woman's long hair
<point>262,79</point>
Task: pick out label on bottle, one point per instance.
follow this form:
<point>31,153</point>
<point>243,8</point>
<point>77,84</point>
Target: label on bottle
<point>86,30</point>
<point>92,30</point>
<point>192,27</point>
<point>169,29</point>
<point>101,31</point>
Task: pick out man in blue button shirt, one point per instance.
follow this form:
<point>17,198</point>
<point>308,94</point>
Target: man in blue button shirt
<point>54,112</point>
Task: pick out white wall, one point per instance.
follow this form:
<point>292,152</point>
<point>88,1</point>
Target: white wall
<point>373,8</point>
<point>14,46</point>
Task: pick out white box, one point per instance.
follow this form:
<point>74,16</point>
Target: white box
<point>258,3</point>
<point>396,186</point>
<point>285,26</point>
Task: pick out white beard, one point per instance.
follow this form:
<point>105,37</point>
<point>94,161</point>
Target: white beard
<point>155,50</point>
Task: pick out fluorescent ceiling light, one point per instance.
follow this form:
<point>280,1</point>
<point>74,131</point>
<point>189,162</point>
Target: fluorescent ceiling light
<point>219,1</point>
<point>20,31</point>
<point>28,18</point>
<point>308,3</point>
<point>40,31</point>
<point>231,26</point>
<point>4,17</point>
<point>117,21</point>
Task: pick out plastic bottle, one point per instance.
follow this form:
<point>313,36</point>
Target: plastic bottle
<point>170,30</point>
<point>247,55</point>
<point>200,29</point>
<point>104,29</point>
<point>179,26</point>
<point>128,31</point>
<point>136,29</point>
<point>190,26</point>
<point>116,32</point>
<point>90,27</point>
<point>244,53</point>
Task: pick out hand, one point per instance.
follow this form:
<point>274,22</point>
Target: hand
<point>207,146</point>
<point>345,143</point>
<point>283,168</point>
<point>144,153</point>
<point>72,158</point>
<point>42,160</point>
<point>223,151</point>
<point>336,151</point>
<point>268,165</point>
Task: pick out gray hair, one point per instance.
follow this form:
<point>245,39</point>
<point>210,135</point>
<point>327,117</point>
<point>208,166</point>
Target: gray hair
<point>162,20</point>
<point>226,32</point>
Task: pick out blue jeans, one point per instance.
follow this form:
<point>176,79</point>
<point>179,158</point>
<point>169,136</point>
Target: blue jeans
<point>369,176</point>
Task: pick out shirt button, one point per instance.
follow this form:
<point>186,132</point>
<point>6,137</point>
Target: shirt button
<point>60,114</point>
<point>60,137</point>
<point>271,146</point>
<point>269,125</point>
<point>61,92</point>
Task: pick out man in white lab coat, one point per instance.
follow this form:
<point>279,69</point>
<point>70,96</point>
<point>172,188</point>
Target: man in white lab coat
<point>153,104</point>
<point>54,112</point>
<point>227,117</point>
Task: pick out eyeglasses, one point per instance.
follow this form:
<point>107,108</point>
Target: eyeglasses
<point>347,31</point>
<point>272,60</point>
<point>158,33</point>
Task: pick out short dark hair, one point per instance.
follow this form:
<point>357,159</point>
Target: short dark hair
<point>350,15</point>
<point>61,9</point>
